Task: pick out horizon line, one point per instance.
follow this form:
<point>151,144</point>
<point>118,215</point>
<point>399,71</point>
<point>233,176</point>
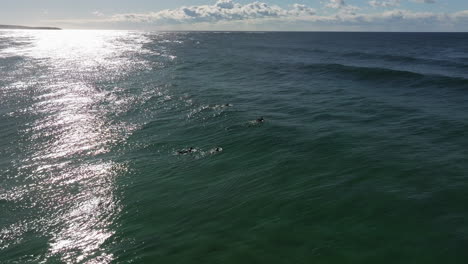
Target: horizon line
<point>232,31</point>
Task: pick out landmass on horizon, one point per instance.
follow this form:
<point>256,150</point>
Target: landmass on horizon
<point>25,27</point>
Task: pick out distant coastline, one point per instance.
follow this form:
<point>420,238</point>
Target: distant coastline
<point>24,27</point>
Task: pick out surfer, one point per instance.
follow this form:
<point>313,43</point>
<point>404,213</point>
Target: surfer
<point>216,150</point>
<point>221,106</point>
<point>257,121</point>
<point>186,151</point>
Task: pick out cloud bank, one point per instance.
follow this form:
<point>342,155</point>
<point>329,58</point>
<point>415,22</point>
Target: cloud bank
<point>334,15</point>
<point>223,10</point>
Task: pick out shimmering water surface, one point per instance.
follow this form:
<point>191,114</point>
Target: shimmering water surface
<point>362,157</point>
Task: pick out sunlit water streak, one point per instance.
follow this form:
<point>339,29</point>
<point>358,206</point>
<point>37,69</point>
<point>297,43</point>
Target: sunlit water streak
<point>74,192</point>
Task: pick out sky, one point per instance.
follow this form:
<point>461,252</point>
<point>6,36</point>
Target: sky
<point>263,15</point>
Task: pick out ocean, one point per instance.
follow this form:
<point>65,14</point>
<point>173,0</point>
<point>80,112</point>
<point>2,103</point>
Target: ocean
<point>150,147</point>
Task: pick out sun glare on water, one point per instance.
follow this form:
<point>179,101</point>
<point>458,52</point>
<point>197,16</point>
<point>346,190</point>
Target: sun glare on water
<point>65,171</point>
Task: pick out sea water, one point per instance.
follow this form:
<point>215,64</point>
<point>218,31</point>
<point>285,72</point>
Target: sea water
<point>361,157</point>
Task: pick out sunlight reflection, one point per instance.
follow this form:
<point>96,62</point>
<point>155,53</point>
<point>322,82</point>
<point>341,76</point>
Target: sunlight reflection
<point>70,133</point>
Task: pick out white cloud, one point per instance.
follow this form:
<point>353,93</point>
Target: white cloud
<point>300,10</point>
<point>393,3</point>
<point>342,6</point>
<point>227,4</point>
<point>336,4</point>
<point>98,14</point>
<point>424,1</point>
<point>223,10</point>
<point>384,3</point>
<point>230,15</point>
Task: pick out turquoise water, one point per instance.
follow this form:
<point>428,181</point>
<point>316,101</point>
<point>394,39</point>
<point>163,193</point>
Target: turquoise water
<point>362,157</point>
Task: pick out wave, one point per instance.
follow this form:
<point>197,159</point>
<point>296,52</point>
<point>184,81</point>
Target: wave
<point>403,59</point>
<point>362,72</point>
<point>380,74</point>
<point>458,62</point>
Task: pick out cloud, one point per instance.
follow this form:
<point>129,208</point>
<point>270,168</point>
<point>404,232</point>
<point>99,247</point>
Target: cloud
<point>258,12</point>
<point>98,14</point>
<point>336,4</point>
<point>223,10</point>
<point>393,3</point>
<point>424,1</point>
<point>226,4</point>
<point>300,10</point>
<point>384,3</point>
<point>230,15</point>
<point>342,6</point>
